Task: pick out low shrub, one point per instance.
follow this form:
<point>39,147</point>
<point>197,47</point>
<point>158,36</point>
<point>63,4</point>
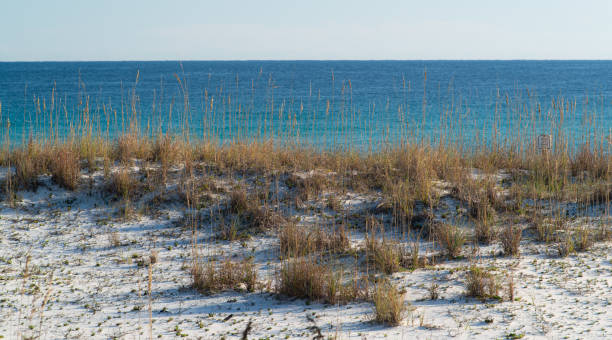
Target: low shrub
<point>239,202</point>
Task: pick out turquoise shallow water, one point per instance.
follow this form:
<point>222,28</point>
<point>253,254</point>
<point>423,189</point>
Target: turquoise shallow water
<point>326,103</point>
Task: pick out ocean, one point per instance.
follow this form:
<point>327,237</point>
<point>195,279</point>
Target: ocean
<point>346,104</point>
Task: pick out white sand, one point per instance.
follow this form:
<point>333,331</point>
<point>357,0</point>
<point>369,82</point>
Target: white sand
<point>98,291</point>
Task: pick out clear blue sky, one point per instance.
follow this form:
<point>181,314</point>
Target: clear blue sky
<point>308,29</point>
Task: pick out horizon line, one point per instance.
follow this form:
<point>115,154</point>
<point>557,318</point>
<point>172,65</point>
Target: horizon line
<point>283,60</point>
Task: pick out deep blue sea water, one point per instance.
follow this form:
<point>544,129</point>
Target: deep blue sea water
<point>326,103</point>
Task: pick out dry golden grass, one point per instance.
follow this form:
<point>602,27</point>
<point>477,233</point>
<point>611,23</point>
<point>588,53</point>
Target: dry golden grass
<point>298,241</point>
<point>250,213</point>
<point>307,187</point>
<point>114,239</point>
<point>450,238</point>
<point>404,173</point>
<point>29,162</point>
<point>510,239</point>
<point>481,283</point>
<point>123,183</point>
<point>65,167</point>
<point>165,152</point>
<point>306,279</point>
<point>385,255</point>
<point>228,275</point>
<point>389,305</point>
<point>303,278</point>
<point>544,229</point>
<point>484,232</point>
<point>583,238</point>
<point>131,145</point>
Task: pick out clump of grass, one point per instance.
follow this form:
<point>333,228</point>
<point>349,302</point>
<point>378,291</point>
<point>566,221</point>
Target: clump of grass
<point>450,238</point>
<point>262,218</point>
<point>333,203</point>
<point>602,233</point>
<point>482,211</point>
<point>114,239</point>
<point>123,183</point>
<point>565,245</point>
<point>583,239</point>
<point>228,275</point>
<point>579,240</point>
<point>510,239</point>
<point>484,232</point>
<point>590,163</point>
<point>130,145</point>
<point>28,163</point>
<point>510,287</point>
<point>153,257</point>
<point>239,202</point>
<point>389,305</point>
<point>252,214</point>
<point>602,193</point>
<point>87,147</point>
<point>412,260</point>
<point>402,200</point>
<point>481,283</point>
<point>299,241</point>
<point>384,254</point>
<point>165,152</point>
<point>307,187</point>
<point>434,291</point>
<point>294,241</point>
<point>65,167</point>
<point>481,197</point>
<point>342,292</point>
<point>544,230</point>
<point>230,231</point>
<point>304,278</point>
